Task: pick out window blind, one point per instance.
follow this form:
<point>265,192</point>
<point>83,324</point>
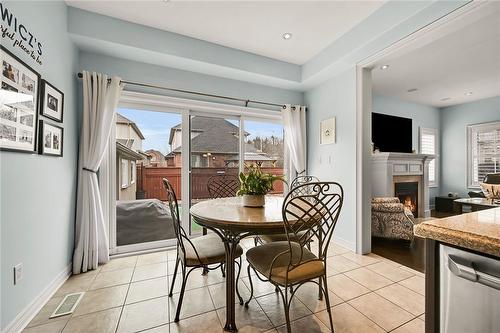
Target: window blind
<point>428,145</point>
<point>484,151</point>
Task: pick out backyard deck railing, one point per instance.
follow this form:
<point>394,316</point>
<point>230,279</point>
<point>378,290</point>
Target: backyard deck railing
<point>150,185</point>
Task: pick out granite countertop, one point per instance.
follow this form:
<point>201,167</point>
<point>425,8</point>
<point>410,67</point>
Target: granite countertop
<point>478,231</point>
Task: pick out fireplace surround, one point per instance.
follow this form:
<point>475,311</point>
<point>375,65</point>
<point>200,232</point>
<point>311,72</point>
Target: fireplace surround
<point>408,172</point>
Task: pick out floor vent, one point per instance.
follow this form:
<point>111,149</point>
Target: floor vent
<point>67,305</point>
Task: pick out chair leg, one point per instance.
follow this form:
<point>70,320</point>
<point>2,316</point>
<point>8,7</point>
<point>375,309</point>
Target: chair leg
<point>222,269</point>
<point>327,300</point>
<point>251,287</point>
<point>181,296</point>
<point>286,306</point>
<point>173,277</point>
<point>237,279</point>
<point>255,241</point>
<point>205,270</point>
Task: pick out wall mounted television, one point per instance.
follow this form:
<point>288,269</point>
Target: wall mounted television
<point>391,134</point>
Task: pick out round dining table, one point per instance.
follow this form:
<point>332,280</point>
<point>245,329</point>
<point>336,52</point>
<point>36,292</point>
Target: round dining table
<point>232,221</point>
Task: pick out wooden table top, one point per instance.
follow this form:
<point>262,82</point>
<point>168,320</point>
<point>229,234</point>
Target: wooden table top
<point>229,213</point>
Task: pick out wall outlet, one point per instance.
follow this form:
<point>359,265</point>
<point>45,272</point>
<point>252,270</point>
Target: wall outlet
<point>18,273</point>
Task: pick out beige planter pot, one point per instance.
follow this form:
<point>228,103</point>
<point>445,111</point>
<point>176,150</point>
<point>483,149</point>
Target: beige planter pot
<point>254,200</point>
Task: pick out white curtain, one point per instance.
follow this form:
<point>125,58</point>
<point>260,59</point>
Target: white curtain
<point>294,121</point>
<point>100,99</point>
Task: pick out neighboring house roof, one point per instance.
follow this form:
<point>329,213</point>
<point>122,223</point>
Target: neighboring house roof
<point>153,152</point>
<point>216,135</point>
<point>124,120</point>
<point>128,153</point>
<point>254,157</point>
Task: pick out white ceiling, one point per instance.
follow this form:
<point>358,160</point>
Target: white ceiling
<point>252,26</point>
<point>465,60</point>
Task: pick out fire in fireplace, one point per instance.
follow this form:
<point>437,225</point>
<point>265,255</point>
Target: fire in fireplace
<point>407,192</point>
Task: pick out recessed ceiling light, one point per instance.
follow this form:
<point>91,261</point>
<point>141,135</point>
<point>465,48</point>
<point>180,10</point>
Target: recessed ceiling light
<point>287,35</point>
<point>412,90</point>
<point>384,67</point>
<point>445,99</point>
<point>468,93</point>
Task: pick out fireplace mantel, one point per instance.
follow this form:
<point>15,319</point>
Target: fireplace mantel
<point>388,168</point>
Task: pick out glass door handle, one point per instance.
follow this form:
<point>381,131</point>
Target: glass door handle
<point>465,269</point>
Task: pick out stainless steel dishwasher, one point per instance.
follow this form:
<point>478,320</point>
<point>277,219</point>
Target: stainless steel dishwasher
<point>469,292</point>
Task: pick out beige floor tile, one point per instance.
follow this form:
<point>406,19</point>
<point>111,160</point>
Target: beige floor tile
<point>345,287</point>
<point>113,278</point>
<point>363,260</point>
<point>414,326</point>
<point>335,249</point>
<point>43,315</point>
<point>346,319</point>
<point>415,283</point>
<point>119,263</point>
<point>422,317</point>
<point>272,305</point>
<point>171,267</point>
<point>273,330</point>
<point>308,295</point>
<point>384,313</point>
<point>147,289</point>
<point>171,255</point>
<point>195,280</point>
<point>101,299</point>
<point>309,324</point>
<point>218,293</point>
<point>52,327</point>
<point>144,315</point>
<point>340,264</point>
<point>196,301</point>
<point>206,323</point>
<point>152,258</point>
<point>368,278</point>
<point>251,319</point>
<point>97,322</point>
<point>160,329</point>
<point>260,288</point>
<point>414,272</point>
<point>404,297</point>
<point>77,283</point>
<point>150,271</point>
<point>390,271</point>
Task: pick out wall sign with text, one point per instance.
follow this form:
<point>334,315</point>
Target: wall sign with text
<point>17,33</point>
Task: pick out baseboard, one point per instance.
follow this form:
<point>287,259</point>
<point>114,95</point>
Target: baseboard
<point>345,243</point>
<point>29,312</point>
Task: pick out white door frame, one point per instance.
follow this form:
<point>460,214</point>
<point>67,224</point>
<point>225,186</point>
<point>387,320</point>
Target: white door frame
<point>453,21</point>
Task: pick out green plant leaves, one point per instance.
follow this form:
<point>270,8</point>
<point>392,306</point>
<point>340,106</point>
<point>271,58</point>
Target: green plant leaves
<point>255,182</point>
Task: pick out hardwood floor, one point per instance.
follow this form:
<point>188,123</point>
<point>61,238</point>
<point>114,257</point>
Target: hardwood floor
<point>401,251</point>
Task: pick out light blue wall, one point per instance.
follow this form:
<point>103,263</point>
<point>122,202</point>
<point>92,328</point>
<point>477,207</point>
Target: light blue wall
<point>37,201</point>
<point>421,115</point>
<point>454,122</point>
<point>180,79</point>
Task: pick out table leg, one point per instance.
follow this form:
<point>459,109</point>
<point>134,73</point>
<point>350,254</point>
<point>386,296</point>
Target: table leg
<point>230,244</point>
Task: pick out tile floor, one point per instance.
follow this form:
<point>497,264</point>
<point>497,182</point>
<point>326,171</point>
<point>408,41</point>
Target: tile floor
<point>368,294</point>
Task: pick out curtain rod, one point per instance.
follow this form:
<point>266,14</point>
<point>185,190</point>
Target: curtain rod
<point>246,101</point>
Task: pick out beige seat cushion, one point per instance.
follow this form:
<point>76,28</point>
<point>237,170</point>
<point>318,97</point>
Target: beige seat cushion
<point>261,258</point>
<point>280,237</point>
<point>210,249</point>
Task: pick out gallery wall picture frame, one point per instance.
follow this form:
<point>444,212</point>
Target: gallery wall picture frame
<point>51,102</point>
<point>51,139</point>
<point>19,102</point>
<point>327,131</point>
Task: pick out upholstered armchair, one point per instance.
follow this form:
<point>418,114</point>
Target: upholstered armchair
<point>391,219</point>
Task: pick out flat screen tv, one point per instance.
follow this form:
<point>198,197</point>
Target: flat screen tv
<point>391,134</point>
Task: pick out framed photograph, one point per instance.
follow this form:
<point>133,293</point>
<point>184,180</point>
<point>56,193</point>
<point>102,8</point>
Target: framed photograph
<point>52,102</point>
<point>327,131</point>
<point>18,104</point>
<point>51,139</point>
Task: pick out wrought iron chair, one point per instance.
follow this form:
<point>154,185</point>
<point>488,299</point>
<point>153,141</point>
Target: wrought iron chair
<point>223,186</point>
<point>194,253</point>
<point>289,263</point>
<point>296,189</point>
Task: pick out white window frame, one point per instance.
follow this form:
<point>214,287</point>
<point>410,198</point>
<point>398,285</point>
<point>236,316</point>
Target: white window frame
<point>435,133</point>
<point>470,154</point>
<point>186,108</point>
<point>133,172</point>
<point>124,170</point>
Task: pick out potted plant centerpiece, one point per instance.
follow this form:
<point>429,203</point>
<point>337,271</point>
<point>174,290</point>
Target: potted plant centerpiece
<point>254,185</point>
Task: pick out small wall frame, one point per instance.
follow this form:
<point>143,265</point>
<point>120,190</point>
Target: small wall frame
<point>327,131</point>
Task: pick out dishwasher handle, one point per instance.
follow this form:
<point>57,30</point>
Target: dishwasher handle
<point>465,269</point>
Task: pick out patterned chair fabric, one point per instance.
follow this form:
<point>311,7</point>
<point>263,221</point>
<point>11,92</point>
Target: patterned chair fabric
<point>391,219</point>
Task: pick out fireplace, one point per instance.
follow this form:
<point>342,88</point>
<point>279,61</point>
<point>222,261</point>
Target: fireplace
<point>407,192</point>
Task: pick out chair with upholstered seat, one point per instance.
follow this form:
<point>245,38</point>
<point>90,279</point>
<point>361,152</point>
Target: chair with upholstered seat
<point>290,263</point>
<point>296,189</point>
<point>194,253</point>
